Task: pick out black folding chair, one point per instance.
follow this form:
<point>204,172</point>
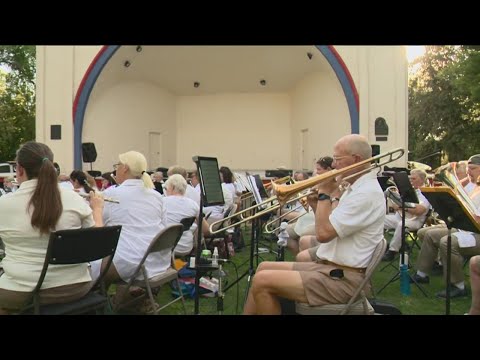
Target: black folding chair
<point>67,247</point>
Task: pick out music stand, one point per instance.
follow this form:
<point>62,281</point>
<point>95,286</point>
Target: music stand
<point>407,199</point>
<point>211,193</point>
<point>457,214</point>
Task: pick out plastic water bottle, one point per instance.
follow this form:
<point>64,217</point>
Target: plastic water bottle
<point>404,280</point>
<point>215,257</point>
<point>283,235</point>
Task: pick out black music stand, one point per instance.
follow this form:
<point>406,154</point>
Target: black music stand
<point>456,215</point>
<point>211,193</point>
<point>407,199</point>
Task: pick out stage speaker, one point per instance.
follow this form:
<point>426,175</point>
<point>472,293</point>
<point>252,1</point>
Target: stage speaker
<point>89,152</point>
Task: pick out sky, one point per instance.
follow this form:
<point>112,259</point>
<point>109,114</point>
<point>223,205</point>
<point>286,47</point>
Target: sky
<point>415,51</point>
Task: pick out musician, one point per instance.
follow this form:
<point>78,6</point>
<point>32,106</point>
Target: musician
<point>179,207</point>
<point>107,181</point>
<point>8,185</point>
<point>228,181</point>
<point>414,217</point>
<point>38,207</point>
<point>475,283</point>
<point>466,179</point>
<point>64,182</point>
<point>190,192</point>
<point>141,212</point>
<point>434,240</point>
<point>301,234</point>
<point>348,229</point>
<point>80,182</point>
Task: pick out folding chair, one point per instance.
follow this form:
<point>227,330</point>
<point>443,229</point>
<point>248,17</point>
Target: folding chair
<point>166,239</point>
<point>358,303</point>
<point>66,247</point>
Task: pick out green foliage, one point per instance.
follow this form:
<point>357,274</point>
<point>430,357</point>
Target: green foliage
<point>17,98</point>
<point>443,105</point>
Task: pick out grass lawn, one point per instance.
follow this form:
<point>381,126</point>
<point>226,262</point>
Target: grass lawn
<point>414,304</point>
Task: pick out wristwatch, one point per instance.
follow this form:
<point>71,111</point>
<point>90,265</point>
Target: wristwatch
<point>323,196</point>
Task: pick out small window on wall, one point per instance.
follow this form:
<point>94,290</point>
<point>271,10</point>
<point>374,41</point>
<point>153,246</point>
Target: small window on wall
<point>381,129</point>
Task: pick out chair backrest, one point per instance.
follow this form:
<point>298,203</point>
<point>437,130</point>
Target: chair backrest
<point>372,265</point>
<point>75,246</point>
<point>165,239</point>
<point>187,222</point>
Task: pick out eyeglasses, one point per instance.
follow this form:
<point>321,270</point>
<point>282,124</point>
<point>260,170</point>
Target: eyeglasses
<point>115,166</point>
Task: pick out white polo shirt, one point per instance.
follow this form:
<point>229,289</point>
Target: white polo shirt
<point>25,248</point>
<point>142,215</point>
<point>358,220</point>
<point>177,208</point>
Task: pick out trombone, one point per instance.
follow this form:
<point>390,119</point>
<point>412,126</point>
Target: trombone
<point>247,196</point>
<point>303,204</point>
<point>286,193</point>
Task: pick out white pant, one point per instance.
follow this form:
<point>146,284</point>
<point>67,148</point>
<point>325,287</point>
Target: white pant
<point>394,221</point>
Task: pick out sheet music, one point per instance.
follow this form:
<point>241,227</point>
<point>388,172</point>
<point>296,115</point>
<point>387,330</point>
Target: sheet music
<point>397,200</point>
<point>465,239</point>
<point>243,182</point>
<point>256,192</point>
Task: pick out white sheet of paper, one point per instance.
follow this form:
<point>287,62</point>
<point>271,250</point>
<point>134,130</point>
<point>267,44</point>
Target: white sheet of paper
<point>465,239</point>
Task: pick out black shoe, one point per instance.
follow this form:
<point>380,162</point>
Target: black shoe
<point>420,279</point>
<point>437,269</point>
<point>389,255</point>
<point>454,292</point>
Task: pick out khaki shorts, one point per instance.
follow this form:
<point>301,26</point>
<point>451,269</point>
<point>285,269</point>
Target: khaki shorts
<point>15,300</point>
<point>322,286</point>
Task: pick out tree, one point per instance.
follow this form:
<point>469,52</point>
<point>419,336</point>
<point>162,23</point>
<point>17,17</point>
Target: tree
<point>17,98</point>
<point>442,112</point>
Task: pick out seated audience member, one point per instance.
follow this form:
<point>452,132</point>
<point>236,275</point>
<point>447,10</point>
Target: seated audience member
<point>305,225</point>
<point>414,217</point>
<point>348,230</point>
<point>25,234</point>
<point>434,240</point>
<point>141,212</point>
<point>179,207</point>
<point>475,283</point>
<point>107,181</point>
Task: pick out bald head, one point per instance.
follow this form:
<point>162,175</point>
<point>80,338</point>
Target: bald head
<point>356,145</point>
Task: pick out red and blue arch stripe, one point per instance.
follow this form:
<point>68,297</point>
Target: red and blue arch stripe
<point>105,54</point>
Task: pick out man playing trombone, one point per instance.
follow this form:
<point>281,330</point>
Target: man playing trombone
<point>348,230</point>
<point>414,217</point>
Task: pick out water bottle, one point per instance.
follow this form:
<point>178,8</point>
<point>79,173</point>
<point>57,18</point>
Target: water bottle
<point>215,257</point>
<point>404,280</point>
<point>283,235</point>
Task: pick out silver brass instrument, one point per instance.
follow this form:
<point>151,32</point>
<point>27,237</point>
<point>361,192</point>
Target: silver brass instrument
<point>108,199</point>
<point>287,193</point>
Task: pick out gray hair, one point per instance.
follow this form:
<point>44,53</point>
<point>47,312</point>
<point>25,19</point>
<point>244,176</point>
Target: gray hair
<point>420,173</point>
<point>176,183</point>
<point>177,169</point>
<point>358,144</point>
